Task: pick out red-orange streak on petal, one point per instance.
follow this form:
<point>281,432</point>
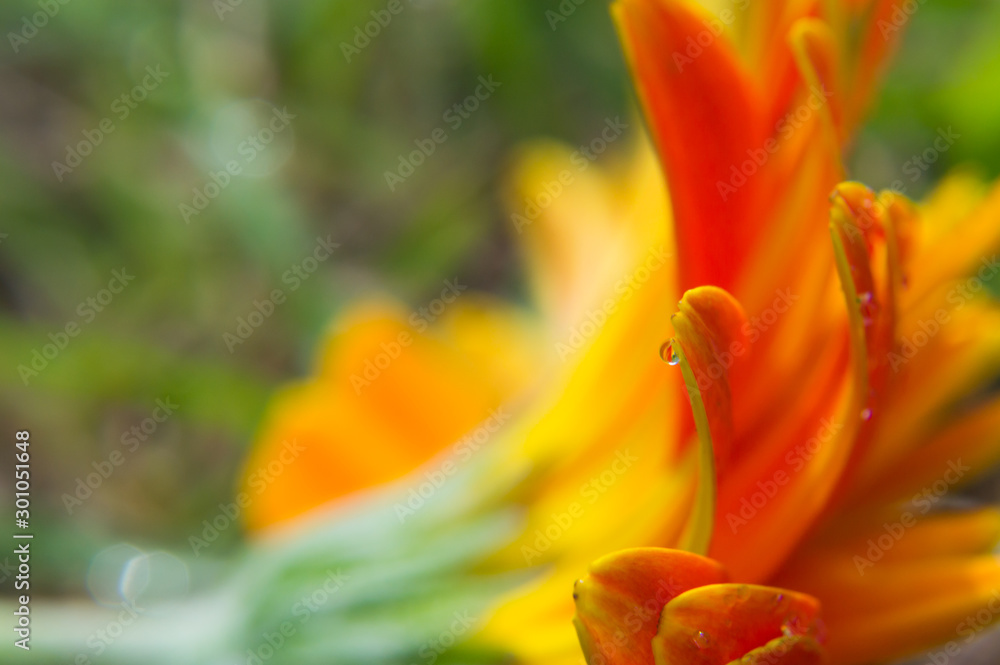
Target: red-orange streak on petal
<point>769,22</point>
<point>705,114</point>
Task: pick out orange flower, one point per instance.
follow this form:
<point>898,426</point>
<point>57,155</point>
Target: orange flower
<point>831,358</point>
<point>837,422</point>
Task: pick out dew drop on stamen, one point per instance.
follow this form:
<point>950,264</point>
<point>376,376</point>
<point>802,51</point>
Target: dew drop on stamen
<point>668,355</point>
<point>868,307</point>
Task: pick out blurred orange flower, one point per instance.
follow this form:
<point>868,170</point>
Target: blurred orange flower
<point>832,358</point>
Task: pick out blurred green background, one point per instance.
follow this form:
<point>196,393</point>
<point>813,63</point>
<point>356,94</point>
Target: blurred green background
<point>226,65</point>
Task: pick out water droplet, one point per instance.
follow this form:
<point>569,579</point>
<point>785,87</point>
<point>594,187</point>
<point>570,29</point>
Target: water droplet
<point>668,355</point>
<point>701,640</point>
<point>866,414</point>
<point>793,626</point>
<point>868,307</point>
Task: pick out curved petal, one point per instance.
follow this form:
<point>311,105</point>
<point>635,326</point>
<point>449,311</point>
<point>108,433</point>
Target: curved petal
<point>898,608</point>
<point>705,114</point>
<point>722,623</point>
<point>619,602</point>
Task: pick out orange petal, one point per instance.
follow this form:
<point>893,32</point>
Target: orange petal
<point>960,249</point>
<point>405,394</point>
<point>803,486</point>
<point>928,421</point>
<point>721,623</point>
<point>880,611</point>
<point>888,534</point>
<point>787,651</point>
<point>815,49</point>
<point>618,603</point>
<point>705,114</point>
